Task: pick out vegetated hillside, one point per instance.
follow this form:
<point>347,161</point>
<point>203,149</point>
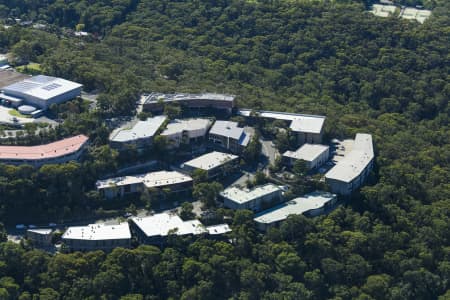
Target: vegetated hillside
<point>387,77</point>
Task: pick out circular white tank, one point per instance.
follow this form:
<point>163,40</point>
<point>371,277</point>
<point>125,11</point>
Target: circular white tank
<point>26,109</point>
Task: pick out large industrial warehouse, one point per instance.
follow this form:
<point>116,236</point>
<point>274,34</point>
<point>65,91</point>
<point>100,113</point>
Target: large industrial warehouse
<point>41,91</point>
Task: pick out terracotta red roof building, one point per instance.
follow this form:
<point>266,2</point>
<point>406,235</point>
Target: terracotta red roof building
<point>57,152</point>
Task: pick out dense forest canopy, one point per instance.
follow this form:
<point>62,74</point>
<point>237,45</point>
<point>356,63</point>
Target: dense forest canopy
<point>385,76</point>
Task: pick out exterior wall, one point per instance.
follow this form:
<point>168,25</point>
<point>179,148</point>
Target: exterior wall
<point>178,187</point>
<point>224,142</point>
<point>140,144</point>
<point>64,97</point>
<point>266,226</point>
<point>346,188</point>
<point>315,163</point>
<point>195,103</point>
<point>185,137</point>
<point>223,170</point>
<point>311,138</point>
<point>40,240</point>
<point>255,204</point>
<point>142,238</point>
<point>89,245</point>
<point>35,101</point>
<point>120,191</point>
<point>174,140</point>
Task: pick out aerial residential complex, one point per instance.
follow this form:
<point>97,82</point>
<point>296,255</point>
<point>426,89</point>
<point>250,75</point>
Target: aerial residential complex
<point>154,102</point>
<point>188,131</point>
<point>214,163</point>
<point>312,204</point>
<point>97,237</point>
<point>351,172</point>
<point>155,229</point>
<point>139,134</point>
<point>151,230</point>
<point>173,181</point>
<point>253,199</point>
<point>313,154</point>
<point>228,135</point>
<point>41,91</point>
<point>307,128</point>
<point>408,13</point>
<point>54,153</point>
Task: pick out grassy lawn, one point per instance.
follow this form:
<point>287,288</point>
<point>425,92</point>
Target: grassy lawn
<point>16,113</point>
<point>31,68</point>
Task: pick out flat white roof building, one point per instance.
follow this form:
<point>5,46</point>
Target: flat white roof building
<point>150,180</point>
<point>119,186</point>
<point>310,124</point>
<point>313,154</point>
<point>141,130</point>
<point>191,126</point>
<point>309,128</point>
<point>186,131</point>
<point>355,162</point>
<point>155,97</point>
<point>411,13</point>
<point>155,101</point>
<point>380,10</point>
<point>97,237</point>
<point>350,172</point>
<point>218,229</point>
<point>240,196</point>
<point>229,135</point>
<point>98,232</point>
<point>253,199</point>
<point>312,204</point>
<point>160,225</point>
<point>299,122</point>
<point>227,128</point>
<point>42,91</point>
<point>408,13</point>
<point>210,160</point>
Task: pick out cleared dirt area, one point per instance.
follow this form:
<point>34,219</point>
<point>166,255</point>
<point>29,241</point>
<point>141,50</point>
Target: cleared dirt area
<point>8,77</point>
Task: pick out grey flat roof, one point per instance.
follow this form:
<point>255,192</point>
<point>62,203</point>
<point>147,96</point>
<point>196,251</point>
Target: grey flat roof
<point>354,162</point>
<point>178,126</point>
<point>152,179</point>
<point>141,129</point>
<point>228,129</point>
<point>241,196</point>
<point>42,87</point>
<point>307,152</point>
<point>161,224</point>
<point>210,160</point>
<point>155,97</point>
<point>296,206</point>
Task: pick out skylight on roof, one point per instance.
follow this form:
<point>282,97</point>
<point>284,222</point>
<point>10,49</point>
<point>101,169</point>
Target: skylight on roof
<point>51,86</point>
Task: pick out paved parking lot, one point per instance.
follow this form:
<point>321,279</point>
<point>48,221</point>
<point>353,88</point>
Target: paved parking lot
<point>6,118</point>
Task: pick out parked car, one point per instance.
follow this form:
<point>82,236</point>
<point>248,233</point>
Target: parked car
<point>32,226</point>
<point>21,226</point>
<point>52,225</point>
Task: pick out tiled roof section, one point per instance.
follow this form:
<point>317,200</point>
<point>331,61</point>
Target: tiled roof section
<point>52,150</point>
